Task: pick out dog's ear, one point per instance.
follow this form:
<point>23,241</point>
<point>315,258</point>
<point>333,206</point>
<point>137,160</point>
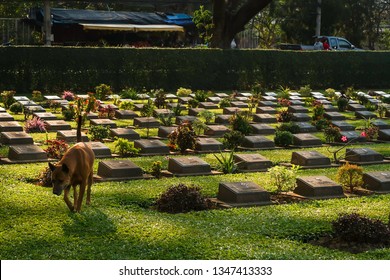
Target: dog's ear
<point>65,168</point>
<point>52,166</point>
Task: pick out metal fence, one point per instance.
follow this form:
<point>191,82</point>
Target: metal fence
<point>247,39</point>
<point>13,31</point>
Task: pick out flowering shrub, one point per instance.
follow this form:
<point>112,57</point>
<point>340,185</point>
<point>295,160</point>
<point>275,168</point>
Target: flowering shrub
<point>332,133</point>
<point>35,125</point>
<point>56,148</point>
<point>182,137</point>
<point>284,116</point>
<point>103,91</point>
<point>284,102</point>
<point>68,95</point>
<point>107,112</point>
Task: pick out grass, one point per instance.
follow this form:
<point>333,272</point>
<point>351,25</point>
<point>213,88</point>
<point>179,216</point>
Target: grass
<point>122,224</point>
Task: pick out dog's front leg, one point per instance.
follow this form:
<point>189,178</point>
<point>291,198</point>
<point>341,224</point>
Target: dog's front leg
<point>67,201</point>
<point>75,195</point>
<point>81,195</point>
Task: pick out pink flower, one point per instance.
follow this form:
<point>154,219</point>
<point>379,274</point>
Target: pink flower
<point>364,134</point>
<point>344,138</point>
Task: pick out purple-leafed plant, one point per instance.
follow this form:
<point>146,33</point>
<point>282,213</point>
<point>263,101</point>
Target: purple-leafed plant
<point>35,125</point>
<point>68,95</point>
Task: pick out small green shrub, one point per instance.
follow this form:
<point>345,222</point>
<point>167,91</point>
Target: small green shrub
<point>342,104</point>
<point>16,108</point>
<point>240,122</point>
<point>156,169</point>
<point>99,132</point>
<point>159,99</point>
<point>37,96</point>
<point>290,126</point>
<point>225,102</point>
<point>126,105</point>
<point>332,133</point>
<point>283,92</point>
<point>129,93</point>
<point>183,91</point>
<point>356,228</point>
<point>7,97</point>
<point>199,126</point>
<point>181,199</point>
<point>350,176</point>
<point>165,120</point>
<point>148,109</point>
<point>283,178</point>
<point>207,116</point>
<point>69,114</point>
<point>283,138</point>
<point>103,91</point>
<point>331,93</point>
<point>125,148</point>
<point>305,91</point>
<point>233,139</point>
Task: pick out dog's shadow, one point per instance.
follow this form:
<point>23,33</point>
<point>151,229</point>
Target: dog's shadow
<point>91,223</point>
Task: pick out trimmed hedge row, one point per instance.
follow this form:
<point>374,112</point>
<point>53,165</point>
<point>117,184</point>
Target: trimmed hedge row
<point>81,69</point>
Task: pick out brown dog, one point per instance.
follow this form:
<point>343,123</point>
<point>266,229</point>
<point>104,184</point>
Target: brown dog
<point>75,168</point>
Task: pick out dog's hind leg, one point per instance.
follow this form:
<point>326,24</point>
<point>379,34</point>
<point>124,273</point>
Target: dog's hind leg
<point>67,201</point>
<point>75,195</point>
<point>90,180</point>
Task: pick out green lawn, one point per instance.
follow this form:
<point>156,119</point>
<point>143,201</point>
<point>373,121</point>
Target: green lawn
<point>121,224</point>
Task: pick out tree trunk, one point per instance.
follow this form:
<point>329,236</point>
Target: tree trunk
<point>230,17</point>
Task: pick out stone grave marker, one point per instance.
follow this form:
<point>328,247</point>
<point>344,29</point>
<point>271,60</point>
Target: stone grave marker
<point>10,126</point>
<point>51,97</point>
<point>242,98</point>
<point>343,125</point>
<point>170,96</point>
<point>306,140</point>
<point>21,98</point>
<point>245,94</point>
<point>265,103</point>
<point>104,122</point>
<point>34,109</point>
<point>243,194</point>
<point>352,136</point>
<point>143,96</point>
<point>221,94</point>
<point>151,147</point>
<point>378,181</point>
<point>92,116</point>
<point>162,112</point>
<point>208,105</point>
<point>252,162</point>
<point>5,117</point>
<point>183,166</point>
<point>266,110</point>
<point>57,125</point>
<point>318,187</point>
<point>362,155</point>
<point>126,133</point>
<point>27,103</point>
<point>262,129</point>
<point>269,98</point>
<point>216,130</point>
<point>239,104</point>
<point>46,116</point>
<point>301,117</point>
<point>195,111</point>
<point>70,136</point>
<point>297,109</point>
<point>380,124</point>
<point>26,153</point>
<point>384,134</point>
<point>305,127</point>
<point>208,145</point>
<point>356,107</point>
<point>164,131</point>
<point>214,99</point>
<point>270,93</point>
<point>138,106</point>
<point>324,102</point>
<point>296,102</point>
<point>310,159</point>
<point>146,122</point>
<point>264,118</point>
<point>184,99</point>
<point>222,119</point>
<point>100,150</point>
<point>365,115</point>
<point>295,97</point>
<point>257,142</point>
<point>294,93</point>
<point>2,110</point>
<point>230,110</point>
<point>16,138</point>
<point>118,170</point>
<point>125,114</point>
<point>173,106</point>
<point>334,116</point>
<point>180,119</point>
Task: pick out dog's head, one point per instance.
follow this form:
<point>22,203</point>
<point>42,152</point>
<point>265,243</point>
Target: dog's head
<point>60,177</point>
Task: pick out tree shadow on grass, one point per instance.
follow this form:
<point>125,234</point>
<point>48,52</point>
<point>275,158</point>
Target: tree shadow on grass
<point>90,223</point>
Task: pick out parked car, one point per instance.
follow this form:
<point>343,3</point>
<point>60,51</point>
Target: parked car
<point>338,43</point>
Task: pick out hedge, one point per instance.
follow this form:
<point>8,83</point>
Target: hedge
<point>81,69</point>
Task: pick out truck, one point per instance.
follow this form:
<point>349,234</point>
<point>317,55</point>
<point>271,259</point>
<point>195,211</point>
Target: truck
<point>335,43</point>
